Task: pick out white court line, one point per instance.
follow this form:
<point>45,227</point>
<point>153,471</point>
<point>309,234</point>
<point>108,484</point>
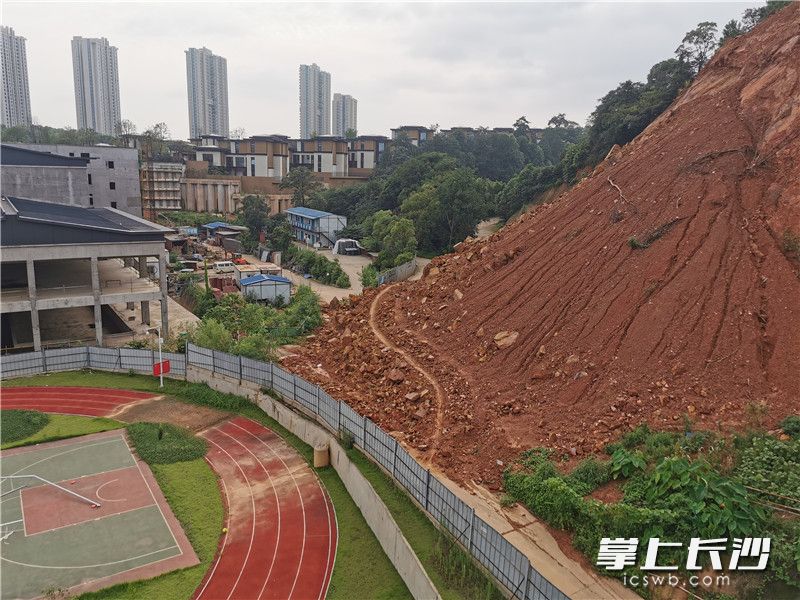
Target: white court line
<point>109,441</point>
<point>10,522</point>
<point>299,494</point>
<point>99,497</point>
<point>253,506</point>
<point>225,538</point>
<point>166,523</point>
<point>326,582</point>
<point>106,564</point>
<point>277,504</point>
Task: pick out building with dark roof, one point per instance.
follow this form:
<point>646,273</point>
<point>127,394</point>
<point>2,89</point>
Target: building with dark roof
<point>30,173</point>
<point>67,270</point>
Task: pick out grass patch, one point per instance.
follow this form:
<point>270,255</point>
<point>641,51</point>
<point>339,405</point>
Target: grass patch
<point>361,564</point>
<point>164,443</point>
<point>16,425</point>
<point>451,570</point>
<point>60,427</point>
<point>192,492</point>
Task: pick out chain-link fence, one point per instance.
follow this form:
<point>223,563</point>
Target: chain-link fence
<point>502,559</point>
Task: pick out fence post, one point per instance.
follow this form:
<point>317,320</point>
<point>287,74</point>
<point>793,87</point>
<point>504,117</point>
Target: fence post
<point>338,417</point>
<point>394,461</point>
<point>271,376</point>
<point>471,527</point>
<point>118,363</point>
<point>88,359</point>
<point>427,489</point>
<point>213,363</point>
<point>240,371</point>
<point>364,431</point>
<point>317,413</point>
<point>44,360</point>
<point>527,581</point>
<point>294,387</point>
<point>152,357</point>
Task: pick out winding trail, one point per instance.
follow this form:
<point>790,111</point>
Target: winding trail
<point>441,395</point>
<point>281,526</point>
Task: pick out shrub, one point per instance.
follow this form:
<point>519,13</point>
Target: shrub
<point>772,466</point>
<point>588,475</point>
<point>555,502</point>
<point>791,426</point>
<point>369,276</point>
<point>318,266</point>
<point>626,463</point>
<point>163,443</point>
<point>16,425</point>
<point>346,439</point>
<point>715,505</point>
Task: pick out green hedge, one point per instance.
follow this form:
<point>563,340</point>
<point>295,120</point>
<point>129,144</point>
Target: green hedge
<point>163,443</point>
<point>16,425</point>
<point>320,268</point>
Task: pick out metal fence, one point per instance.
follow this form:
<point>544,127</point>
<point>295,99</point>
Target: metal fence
<point>398,273</point>
<point>502,559</point>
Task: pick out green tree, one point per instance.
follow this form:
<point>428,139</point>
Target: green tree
<point>253,214</point>
<point>399,241</point>
<point>753,16</point>
<point>698,45</point>
<point>411,175</point>
<point>212,334</point>
<point>351,134</point>
<point>447,210</point>
<point>304,185</point>
<point>732,29</point>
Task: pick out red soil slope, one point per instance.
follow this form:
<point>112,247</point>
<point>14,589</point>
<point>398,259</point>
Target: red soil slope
<point>704,323</point>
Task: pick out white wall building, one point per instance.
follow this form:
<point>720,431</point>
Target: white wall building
<point>96,77</point>
<point>345,114</point>
<point>207,85</point>
<point>315,101</point>
<point>16,101</point>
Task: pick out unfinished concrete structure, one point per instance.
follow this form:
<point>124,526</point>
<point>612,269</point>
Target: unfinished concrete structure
<point>58,258</point>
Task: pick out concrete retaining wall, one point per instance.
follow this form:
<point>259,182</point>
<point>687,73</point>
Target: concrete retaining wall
<point>378,517</point>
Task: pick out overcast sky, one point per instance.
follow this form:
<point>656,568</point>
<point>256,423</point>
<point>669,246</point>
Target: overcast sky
<point>451,64</point>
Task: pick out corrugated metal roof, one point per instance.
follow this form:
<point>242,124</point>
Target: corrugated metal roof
<point>309,213</point>
<point>261,278</point>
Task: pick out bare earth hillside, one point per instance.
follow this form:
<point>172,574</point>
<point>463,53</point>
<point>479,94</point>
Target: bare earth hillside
<point>664,287</point>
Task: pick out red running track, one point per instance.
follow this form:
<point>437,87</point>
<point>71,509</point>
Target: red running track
<point>281,540</point>
<point>90,402</point>
<point>282,533</point>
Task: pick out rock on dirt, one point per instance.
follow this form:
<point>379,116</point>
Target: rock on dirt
<point>713,185</point>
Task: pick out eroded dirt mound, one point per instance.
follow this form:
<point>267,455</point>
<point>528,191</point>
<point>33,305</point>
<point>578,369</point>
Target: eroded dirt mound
<point>664,287</point>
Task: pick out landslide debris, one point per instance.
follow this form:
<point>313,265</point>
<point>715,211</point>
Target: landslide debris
<point>661,289</point>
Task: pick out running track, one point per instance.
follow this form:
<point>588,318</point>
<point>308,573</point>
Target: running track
<point>282,535</point>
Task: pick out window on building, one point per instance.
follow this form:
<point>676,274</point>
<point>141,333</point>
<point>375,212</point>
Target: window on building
<point>91,200</point>
<point>253,169</point>
<point>319,146</point>
<point>113,205</point>
<point>110,164</point>
<point>84,155</point>
<point>72,154</point>
<point>90,178</point>
<point>362,160</point>
<point>112,185</point>
<point>319,163</point>
<point>362,146</point>
<point>253,147</point>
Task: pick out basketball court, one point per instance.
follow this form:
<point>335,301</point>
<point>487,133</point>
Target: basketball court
<point>82,514</point>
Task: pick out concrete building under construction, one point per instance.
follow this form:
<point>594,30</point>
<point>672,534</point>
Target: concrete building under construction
<point>64,268</point>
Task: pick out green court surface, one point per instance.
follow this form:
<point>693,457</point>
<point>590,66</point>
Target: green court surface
<point>53,540</point>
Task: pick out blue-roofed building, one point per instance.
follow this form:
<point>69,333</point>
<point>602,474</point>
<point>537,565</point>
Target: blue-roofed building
<point>315,227</point>
<point>266,287</point>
